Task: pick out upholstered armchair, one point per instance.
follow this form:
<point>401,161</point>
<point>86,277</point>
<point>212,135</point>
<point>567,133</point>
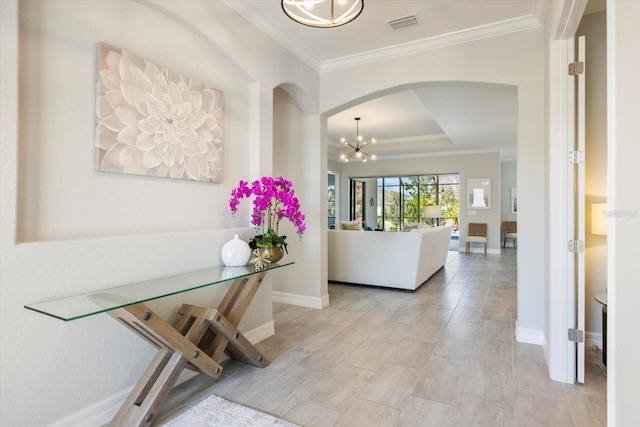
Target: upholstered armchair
<point>510,231</point>
<point>477,234</point>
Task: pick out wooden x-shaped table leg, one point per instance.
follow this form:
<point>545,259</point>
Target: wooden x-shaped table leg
<point>197,341</point>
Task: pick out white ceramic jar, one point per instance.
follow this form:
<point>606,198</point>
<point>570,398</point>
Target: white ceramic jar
<point>235,252</point>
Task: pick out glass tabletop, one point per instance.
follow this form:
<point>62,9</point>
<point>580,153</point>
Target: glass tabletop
<point>79,306</point>
<point>601,298</point>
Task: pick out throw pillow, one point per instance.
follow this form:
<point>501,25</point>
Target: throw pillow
<point>350,225</point>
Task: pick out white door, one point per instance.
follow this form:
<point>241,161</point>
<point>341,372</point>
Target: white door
<point>577,212</point>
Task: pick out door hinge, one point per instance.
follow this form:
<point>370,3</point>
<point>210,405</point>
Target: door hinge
<point>576,68</point>
<point>576,335</point>
<point>576,246</point>
<point>576,157</point>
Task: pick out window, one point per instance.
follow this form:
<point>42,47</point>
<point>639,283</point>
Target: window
<point>401,199</point>
<point>357,201</point>
<point>331,200</point>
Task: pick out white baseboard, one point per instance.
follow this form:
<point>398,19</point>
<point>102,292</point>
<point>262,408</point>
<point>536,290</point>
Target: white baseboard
<point>529,336</point>
<point>301,300</point>
<point>593,338</point>
<point>480,250</point>
<point>101,413</point>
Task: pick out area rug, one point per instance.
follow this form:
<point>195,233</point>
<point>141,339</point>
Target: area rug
<point>216,411</point>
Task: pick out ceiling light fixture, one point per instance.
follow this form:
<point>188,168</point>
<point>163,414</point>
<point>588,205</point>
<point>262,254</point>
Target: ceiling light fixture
<point>322,13</point>
<point>357,148</point>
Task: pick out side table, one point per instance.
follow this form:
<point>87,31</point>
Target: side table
<point>602,299</point>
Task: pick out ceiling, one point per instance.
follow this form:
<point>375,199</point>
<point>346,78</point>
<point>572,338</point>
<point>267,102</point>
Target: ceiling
<point>423,120</point>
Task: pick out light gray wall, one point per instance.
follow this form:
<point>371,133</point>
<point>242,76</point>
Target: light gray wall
<point>476,165</point>
<point>623,134</point>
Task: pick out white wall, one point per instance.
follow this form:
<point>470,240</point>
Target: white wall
<point>623,181</point>
<point>297,150</point>
<point>514,59</point>
<point>476,165</point>
<point>66,229</point>
<point>593,26</point>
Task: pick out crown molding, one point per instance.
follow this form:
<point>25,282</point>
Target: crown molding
<point>458,37</point>
<point>381,157</point>
<point>297,49</point>
<point>522,23</point>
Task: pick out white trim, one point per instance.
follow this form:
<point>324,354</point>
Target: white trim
<point>261,332</point>
<point>558,317</point>
<point>508,26</point>
<point>457,37</point>
<point>478,249</point>
<point>102,412</point>
<point>301,300</point>
<point>593,338</point>
<point>530,336</point>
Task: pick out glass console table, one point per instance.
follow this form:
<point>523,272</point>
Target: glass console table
<point>198,341</point>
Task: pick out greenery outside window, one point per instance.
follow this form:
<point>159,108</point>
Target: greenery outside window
<point>401,199</point>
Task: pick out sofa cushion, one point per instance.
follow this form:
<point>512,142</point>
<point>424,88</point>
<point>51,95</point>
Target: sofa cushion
<point>350,225</point>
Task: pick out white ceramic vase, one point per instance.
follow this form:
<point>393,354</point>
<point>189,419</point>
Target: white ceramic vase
<point>235,252</point>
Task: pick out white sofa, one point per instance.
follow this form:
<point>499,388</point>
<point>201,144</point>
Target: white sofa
<point>403,260</point>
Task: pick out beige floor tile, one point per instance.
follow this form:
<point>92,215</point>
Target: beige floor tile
<point>426,331</point>
<point>490,328</point>
<point>244,383</point>
<point>452,351</point>
<point>344,317</point>
<point>407,317</point>
<point>482,411</point>
<point>594,381</point>
<point>588,410</point>
<point>436,315</point>
<point>328,356</point>
<point>337,389</point>
<point>535,411</point>
<point>355,334</point>
<point>493,350</point>
<point>411,353</point>
<point>441,382</point>
<point>472,302</point>
<point>448,303</point>
<point>377,317</point>
<point>491,380</point>
<point>498,308</point>
<point>524,353</point>
<point>390,385</point>
<point>419,412</point>
<point>369,355</point>
<point>475,293</point>
<point>461,330</point>
<point>533,378</point>
<point>391,333</point>
<point>467,314</point>
<point>310,414</point>
<point>278,395</point>
<point>362,413</point>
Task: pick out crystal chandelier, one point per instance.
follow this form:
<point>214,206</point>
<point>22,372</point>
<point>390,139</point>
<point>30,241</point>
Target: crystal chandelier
<point>322,13</point>
<point>357,148</point>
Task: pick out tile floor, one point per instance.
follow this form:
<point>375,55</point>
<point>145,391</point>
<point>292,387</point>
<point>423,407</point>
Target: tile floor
<point>444,355</point>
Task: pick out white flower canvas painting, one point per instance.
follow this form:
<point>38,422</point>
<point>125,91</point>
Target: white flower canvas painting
<point>156,122</point>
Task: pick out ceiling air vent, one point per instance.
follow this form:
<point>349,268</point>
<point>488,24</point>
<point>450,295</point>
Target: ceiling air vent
<point>405,21</point>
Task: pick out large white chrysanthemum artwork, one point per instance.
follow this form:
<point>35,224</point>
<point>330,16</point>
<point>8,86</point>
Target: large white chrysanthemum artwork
<point>156,122</point>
